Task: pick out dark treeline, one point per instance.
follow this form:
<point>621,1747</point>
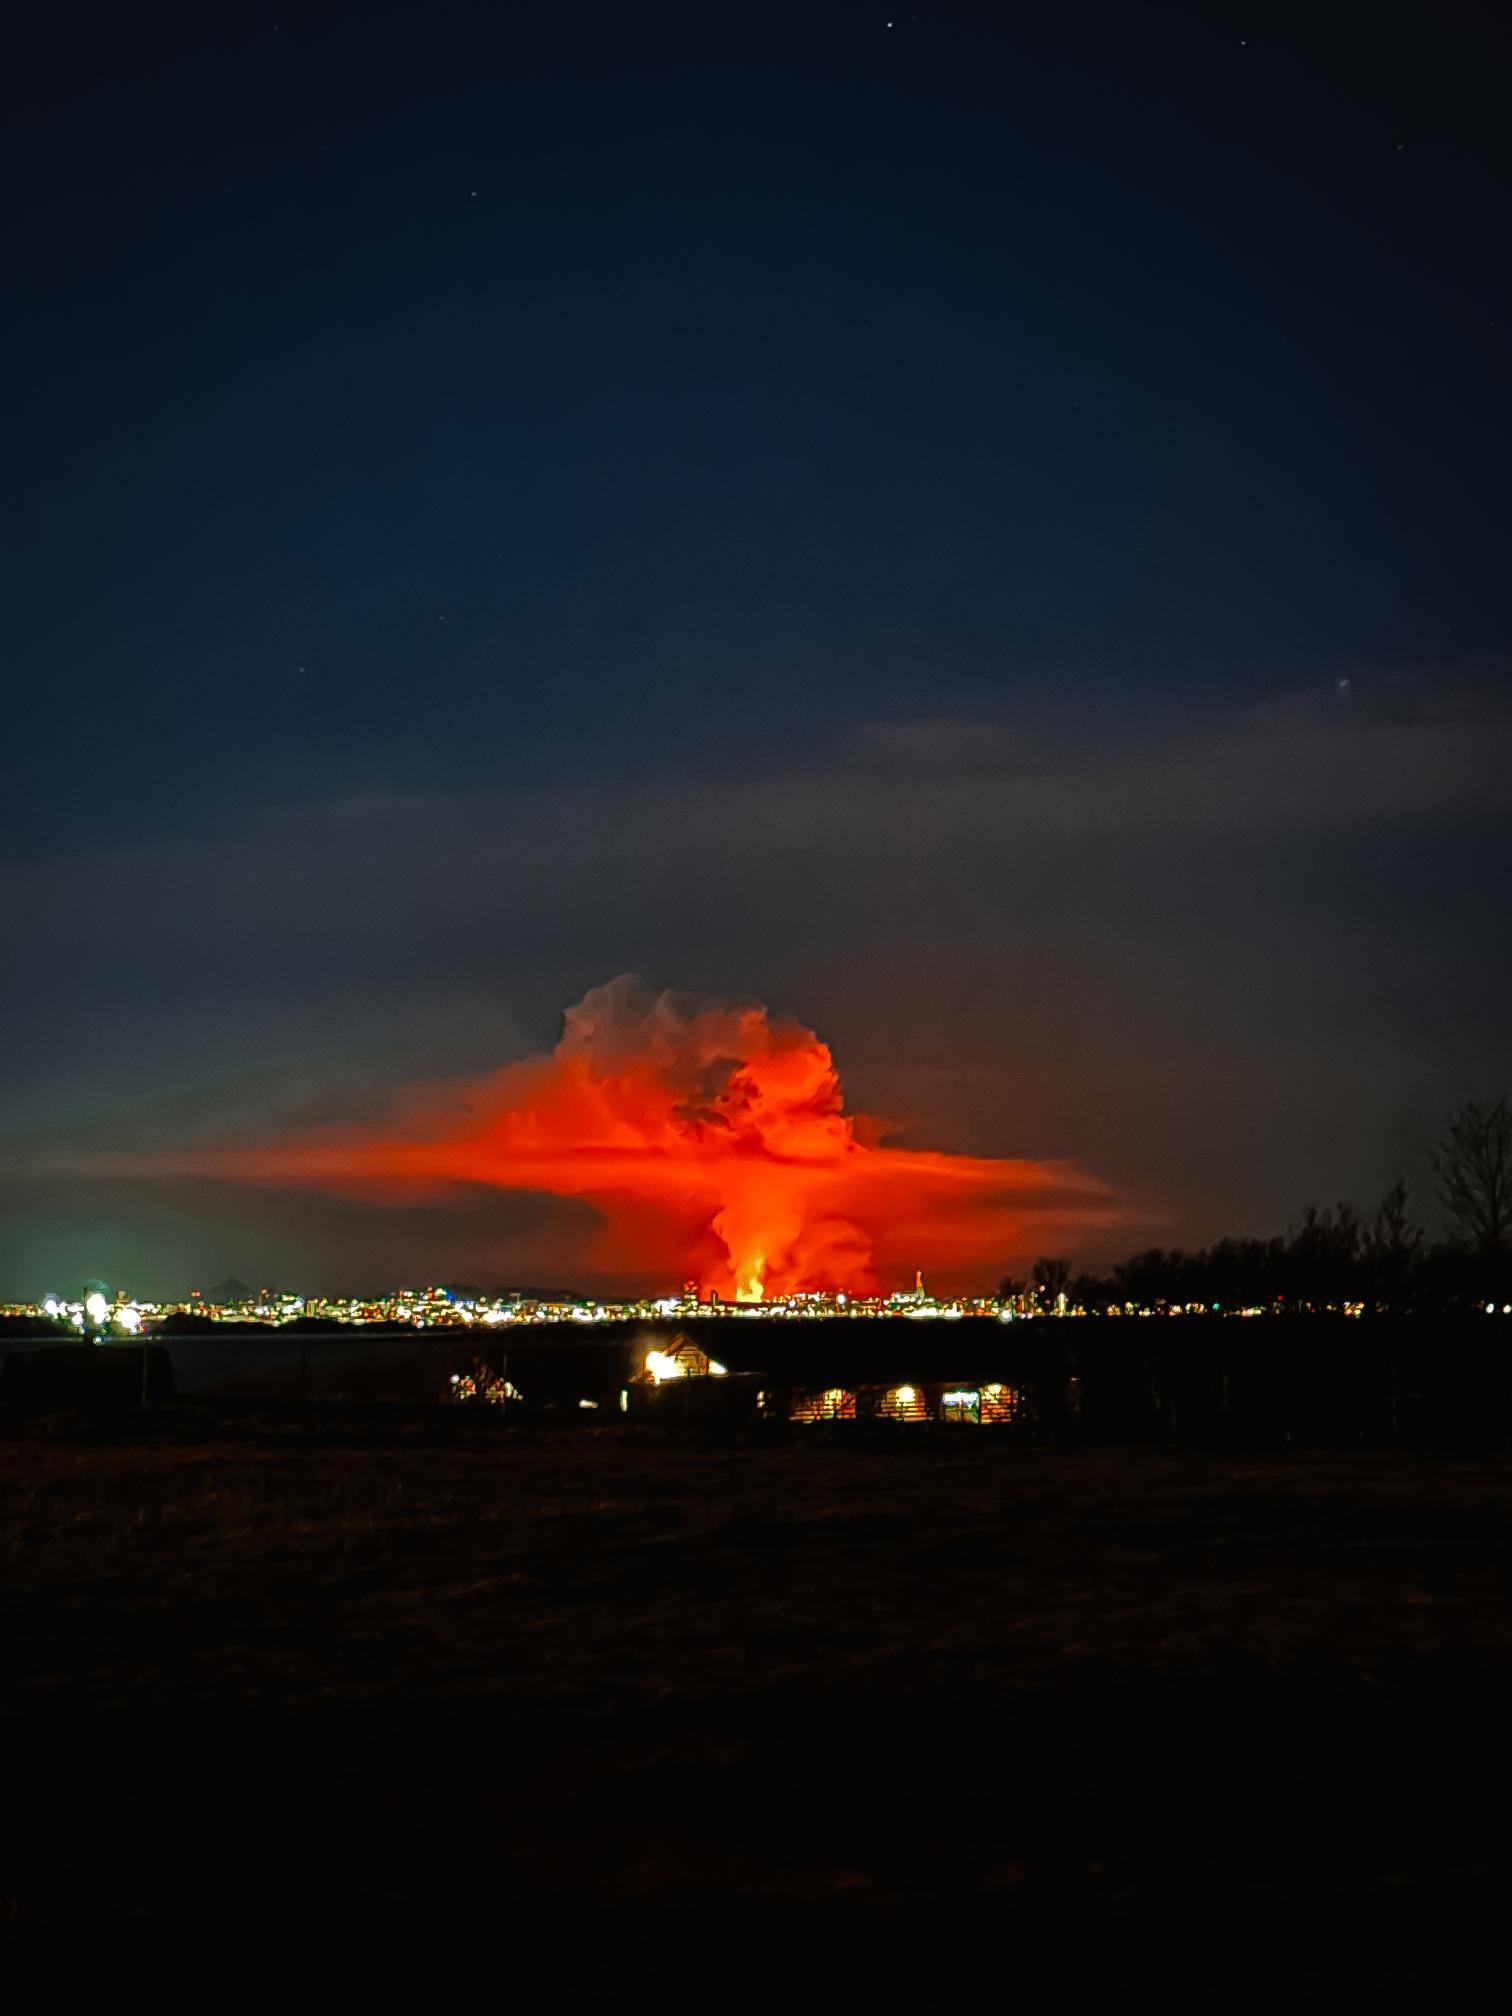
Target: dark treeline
<point>1336,1257</point>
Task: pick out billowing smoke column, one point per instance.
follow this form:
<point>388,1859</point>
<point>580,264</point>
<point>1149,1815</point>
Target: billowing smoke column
<point>712,1141</point>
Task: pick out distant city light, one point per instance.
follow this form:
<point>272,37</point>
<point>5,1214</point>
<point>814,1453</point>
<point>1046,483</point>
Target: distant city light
<point>440,1308</point>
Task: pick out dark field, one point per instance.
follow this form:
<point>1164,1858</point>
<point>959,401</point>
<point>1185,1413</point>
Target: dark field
<point>941,1704</point>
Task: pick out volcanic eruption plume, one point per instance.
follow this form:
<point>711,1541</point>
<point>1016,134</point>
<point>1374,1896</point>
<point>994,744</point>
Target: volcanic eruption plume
<point>710,1140</point>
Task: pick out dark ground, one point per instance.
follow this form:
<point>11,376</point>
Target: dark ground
<point>910,1710</point>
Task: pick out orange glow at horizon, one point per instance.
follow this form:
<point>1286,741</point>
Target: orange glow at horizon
<point>711,1141</point>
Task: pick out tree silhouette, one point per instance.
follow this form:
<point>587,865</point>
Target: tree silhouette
<point>1148,1278</point>
<point>1393,1251</point>
<point>1051,1276</point>
<point>1472,1171</point>
<point>1323,1255</point>
<point>1332,1257</point>
<point>1090,1292</point>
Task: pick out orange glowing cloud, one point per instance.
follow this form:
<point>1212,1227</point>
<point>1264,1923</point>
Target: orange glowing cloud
<point>712,1142</point>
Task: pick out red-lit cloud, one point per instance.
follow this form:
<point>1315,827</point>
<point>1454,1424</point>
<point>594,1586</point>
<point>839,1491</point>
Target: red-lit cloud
<point>712,1142</point>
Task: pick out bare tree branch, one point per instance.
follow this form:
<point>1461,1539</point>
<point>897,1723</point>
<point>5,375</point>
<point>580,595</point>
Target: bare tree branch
<point>1472,1173</point>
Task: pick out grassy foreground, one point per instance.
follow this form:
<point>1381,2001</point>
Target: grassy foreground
<point>947,1703</point>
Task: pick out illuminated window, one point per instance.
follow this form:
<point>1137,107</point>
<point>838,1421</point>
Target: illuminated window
<point>901,1403</point>
<point>834,1404</point>
<point>1000,1404</point>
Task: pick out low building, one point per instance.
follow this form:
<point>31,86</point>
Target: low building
<point>952,1403</point>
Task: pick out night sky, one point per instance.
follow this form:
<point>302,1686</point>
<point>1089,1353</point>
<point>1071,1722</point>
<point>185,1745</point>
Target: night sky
<point>985,533</point>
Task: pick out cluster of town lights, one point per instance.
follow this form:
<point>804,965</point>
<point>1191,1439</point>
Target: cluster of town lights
<point>95,1314</point>
<point>439,1307</point>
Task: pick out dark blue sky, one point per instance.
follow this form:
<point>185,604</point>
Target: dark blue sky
<point>987,533</point>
